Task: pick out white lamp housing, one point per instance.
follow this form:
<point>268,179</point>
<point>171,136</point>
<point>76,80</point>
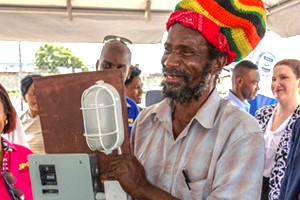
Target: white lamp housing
<point>102,117</point>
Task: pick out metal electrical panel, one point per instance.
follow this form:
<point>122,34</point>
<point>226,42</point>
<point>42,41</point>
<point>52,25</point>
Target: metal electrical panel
<point>64,176</point>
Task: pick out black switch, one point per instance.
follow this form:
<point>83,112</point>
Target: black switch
<point>48,174</point>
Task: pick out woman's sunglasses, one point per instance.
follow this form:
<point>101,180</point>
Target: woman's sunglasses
<point>10,180</point>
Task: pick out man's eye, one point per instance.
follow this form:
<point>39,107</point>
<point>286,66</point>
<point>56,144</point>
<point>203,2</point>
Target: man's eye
<point>121,67</point>
<point>168,50</point>
<point>106,66</point>
<point>31,93</point>
<point>187,53</point>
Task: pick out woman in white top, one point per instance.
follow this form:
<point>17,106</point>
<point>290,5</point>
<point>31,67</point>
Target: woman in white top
<point>276,122</point>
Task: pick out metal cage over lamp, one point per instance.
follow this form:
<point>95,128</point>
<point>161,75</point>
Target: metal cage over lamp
<point>102,117</point>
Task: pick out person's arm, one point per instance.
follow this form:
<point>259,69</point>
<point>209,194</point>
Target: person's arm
<point>131,176</point>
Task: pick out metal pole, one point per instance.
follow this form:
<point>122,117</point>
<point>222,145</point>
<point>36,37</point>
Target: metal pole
<point>20,72</point>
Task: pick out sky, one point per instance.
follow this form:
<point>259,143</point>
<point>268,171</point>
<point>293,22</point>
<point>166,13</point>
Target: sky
<point>148,56</point>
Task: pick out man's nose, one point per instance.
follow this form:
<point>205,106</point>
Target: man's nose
<point>141,90</point>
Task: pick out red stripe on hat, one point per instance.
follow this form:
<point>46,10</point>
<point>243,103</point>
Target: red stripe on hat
<point>252,3</point>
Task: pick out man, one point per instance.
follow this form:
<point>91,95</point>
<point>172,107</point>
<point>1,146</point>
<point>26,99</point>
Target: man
<point>194,144</point>
<point>31,118</point>
<point>245,79</point>
<point>116,55</point>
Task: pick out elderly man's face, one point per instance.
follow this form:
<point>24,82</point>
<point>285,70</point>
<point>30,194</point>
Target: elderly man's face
<point>185,64</point>
<point>115,56</point>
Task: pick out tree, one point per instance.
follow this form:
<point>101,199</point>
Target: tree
<point>49,57</point>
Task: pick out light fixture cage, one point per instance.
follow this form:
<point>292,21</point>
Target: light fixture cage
<point>102,117</point>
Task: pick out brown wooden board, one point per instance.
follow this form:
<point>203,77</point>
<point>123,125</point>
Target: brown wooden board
<point>59,102</point>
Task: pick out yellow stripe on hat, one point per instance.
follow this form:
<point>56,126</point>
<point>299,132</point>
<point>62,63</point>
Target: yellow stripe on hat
<point>240,39</point>
<point>259,10</point>
<point>195,6</point>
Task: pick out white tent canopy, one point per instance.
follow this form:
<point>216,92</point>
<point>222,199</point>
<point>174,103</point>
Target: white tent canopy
<point>283,17</point>
<point>143,21</point>
<point>85,21</point>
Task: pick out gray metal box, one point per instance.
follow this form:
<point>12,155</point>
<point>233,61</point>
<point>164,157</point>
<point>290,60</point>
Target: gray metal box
<point>64,176</point>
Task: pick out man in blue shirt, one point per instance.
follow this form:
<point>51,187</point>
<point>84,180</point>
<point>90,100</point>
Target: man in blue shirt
<point>116,55</point>
<point>245,79</point>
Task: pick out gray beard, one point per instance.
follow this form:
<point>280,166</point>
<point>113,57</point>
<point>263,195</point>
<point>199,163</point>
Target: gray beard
<point>186,93</point>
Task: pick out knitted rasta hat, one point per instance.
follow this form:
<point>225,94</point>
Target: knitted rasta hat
<point>232,26</point>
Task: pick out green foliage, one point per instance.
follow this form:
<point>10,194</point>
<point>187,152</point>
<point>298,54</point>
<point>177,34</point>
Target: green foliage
<point>13,93</point>
<point>49,57</point>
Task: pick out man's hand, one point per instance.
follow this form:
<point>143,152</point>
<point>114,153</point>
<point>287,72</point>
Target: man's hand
<point>131,176</point>
<point>129,172</point>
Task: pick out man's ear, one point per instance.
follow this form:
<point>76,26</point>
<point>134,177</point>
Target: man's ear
<point>218,64</point>
<point>97,63</point>
<point>239,80</point>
